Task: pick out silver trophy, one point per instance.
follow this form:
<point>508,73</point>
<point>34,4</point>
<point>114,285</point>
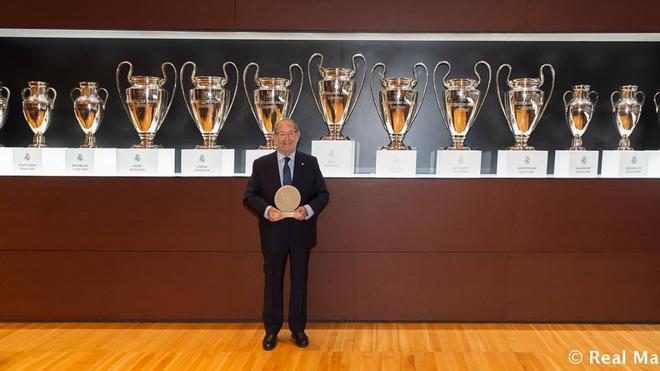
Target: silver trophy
<point>270,101</point>
<point>460,102</point>
<point>397,104</point>
<point>579,108</point>
<point>4,105</point>
<point>208,102</point>
<point>146,102</point>
<point>38,106</point>
<point>89,108</point>
<point>626,111</point>
<point>524,104</point>
<point>335,93</point>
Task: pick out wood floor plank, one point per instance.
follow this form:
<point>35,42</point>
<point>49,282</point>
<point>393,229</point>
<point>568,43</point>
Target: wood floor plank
<point>334,346</point>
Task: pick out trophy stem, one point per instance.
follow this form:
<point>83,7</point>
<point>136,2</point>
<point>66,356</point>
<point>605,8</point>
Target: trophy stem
<point>624,144</point>
<point>90,141</point>
<point>396,143</point>
<point>209,142</point>
<point>521,144</point>
<point>576,144</point>
<point>146,141</point>
<point>38,141</point>
<point>334,133</point>
<point>269,142</point>
<point>457,144</point>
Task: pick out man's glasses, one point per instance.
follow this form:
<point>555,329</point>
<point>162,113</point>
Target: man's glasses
<point>282,134</point>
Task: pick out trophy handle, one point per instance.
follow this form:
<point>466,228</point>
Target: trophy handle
<point>311,83</point>
<point>182,85</point>
<point>359,92</point>
<point>490,77</point>
<point>55,95</point>
<point>567,100</point>
<point>371,88</point>
<point>128,78</point>
<point>655,100</point>
<point>641,102</point>
<point>612,100</point>
<point>245,89</point>
<point>501,99</point>
<point>426,84</point>
<point>25,90</point>
<point>290,81</point>
<point>552,86</point>
<point>233,97</point>
<point>73,99</point>
<point>9,93</point>
<point>594,99</point>
<point>435,89</point>
<point>162,68</point>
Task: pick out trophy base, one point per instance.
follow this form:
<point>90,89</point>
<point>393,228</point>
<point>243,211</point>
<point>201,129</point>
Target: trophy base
<point>206,146</point>
<point>521,144</point>
<point>209,142</point>
<point>334,137</point>
<point>270,144</point>
<point>38,141</point>
<point>457,144</point>
<point>146,146</point>
<point>90,141</point>
<point>396,145</point>
<point>576,144</point>
<point>624,144</point>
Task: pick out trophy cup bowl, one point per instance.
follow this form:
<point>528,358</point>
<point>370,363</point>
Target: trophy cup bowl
<point>626,111</point>
<point>579,110</point>
<point>38,108</point>
<point>335,95</point>
<point>145,102</point>
<point>209,103</point>
<point>397,104</point>
<point>89,108</point>
<point>270,101</point>
<point>4,104</point>
<point>524,104</point>
<point>460,103</point>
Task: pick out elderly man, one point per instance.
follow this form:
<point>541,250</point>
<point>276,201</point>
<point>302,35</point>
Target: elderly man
<point>286,238</point>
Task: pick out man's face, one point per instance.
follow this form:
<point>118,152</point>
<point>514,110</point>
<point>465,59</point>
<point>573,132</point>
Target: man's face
<point>286,137</point>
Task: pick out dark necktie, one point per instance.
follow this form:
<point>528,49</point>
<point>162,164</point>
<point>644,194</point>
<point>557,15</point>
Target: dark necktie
<point>286,173</point>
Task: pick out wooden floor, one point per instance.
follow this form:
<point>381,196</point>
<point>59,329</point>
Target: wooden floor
<point>334,346</point>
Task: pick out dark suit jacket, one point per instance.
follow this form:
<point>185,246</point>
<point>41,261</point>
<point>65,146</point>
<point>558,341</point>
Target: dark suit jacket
<point>260,192</point>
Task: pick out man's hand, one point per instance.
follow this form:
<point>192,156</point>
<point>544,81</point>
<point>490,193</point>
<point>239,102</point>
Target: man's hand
<point>274,215</point>
<point>300,213</point>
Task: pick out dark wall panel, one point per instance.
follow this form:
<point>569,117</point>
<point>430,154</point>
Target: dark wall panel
<point>122,14</point>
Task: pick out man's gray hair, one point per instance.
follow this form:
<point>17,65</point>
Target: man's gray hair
<point>282,120</point>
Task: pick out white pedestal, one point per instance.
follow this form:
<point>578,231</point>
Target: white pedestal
<point>253,154</point>
<point>576,164</point>
<point>335,157</point>
<point>396,164</point>
<point>207,162</point>
<point>624,164</point>
<point>39,161</point>
<point>522,164</point>
<point>654,164</point>
<point>457,164</point>
<point>145,162</point>
<point>91,161</point>
<point>6,161</point>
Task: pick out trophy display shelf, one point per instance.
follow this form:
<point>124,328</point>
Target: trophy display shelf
<point>522,164</point>
<point>456,163</point>
<point>91,161</point>
<point>625,164</point>
<point>38,161</point>
<point>396,163</point>
<point>207,162</point>
<point>576,164</point>
<point>337,158</point>
<point>6,161</point>
<point>253,154</point>
<point>145,162</point>
<point>654,164</point>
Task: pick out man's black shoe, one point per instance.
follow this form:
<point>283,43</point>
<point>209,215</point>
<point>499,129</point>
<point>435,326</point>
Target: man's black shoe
<point>269,342</point>
<point>300,338</point>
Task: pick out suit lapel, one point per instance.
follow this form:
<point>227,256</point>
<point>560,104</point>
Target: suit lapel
<point>276,169</point>
<point>298,170</point>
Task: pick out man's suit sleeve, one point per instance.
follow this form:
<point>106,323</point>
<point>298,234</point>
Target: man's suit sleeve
<point>322,196</point>
<point>252,197</point>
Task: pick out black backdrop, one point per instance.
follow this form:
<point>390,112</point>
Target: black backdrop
<point>64,62</point>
